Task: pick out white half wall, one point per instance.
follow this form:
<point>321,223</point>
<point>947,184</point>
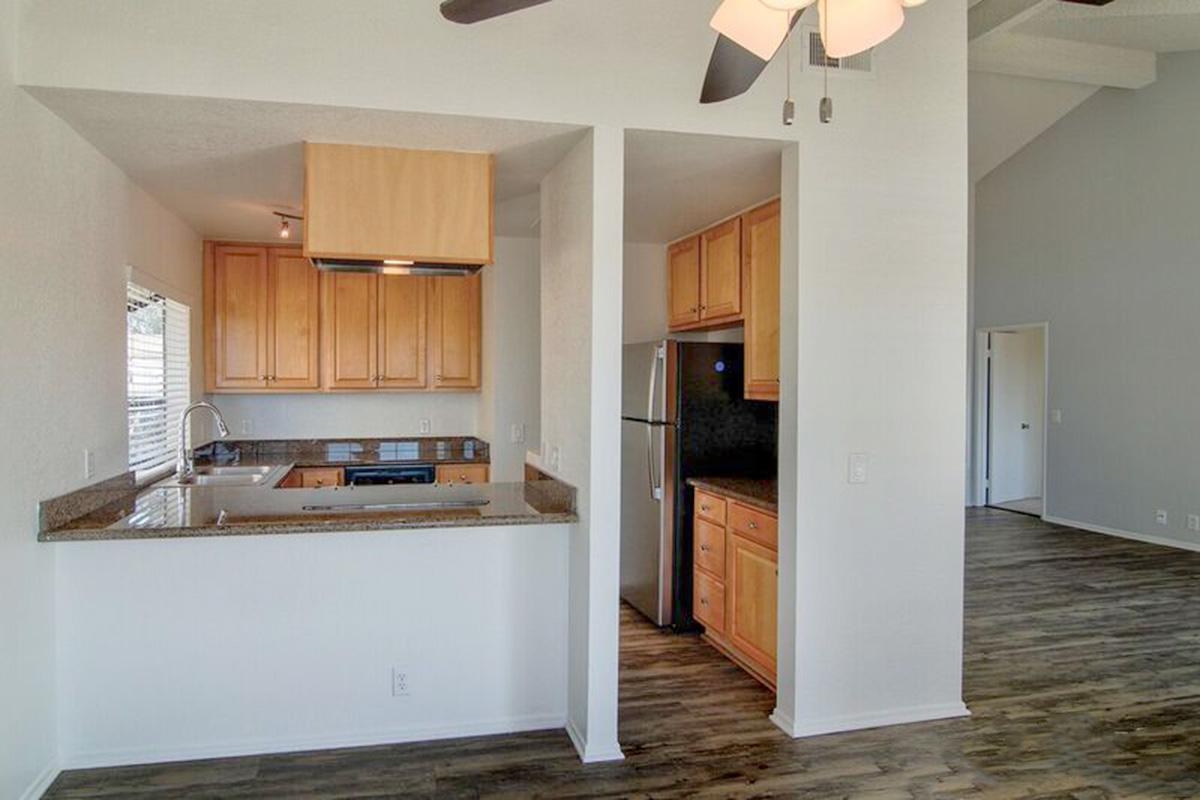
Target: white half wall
<point>72,225</point>
<point>1092,228</point>
<point>195,648</point>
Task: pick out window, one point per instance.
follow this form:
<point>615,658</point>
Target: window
<point>159,378</point>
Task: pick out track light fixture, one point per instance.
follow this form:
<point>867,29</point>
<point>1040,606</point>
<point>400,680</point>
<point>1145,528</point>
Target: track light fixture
<point>285,225</point>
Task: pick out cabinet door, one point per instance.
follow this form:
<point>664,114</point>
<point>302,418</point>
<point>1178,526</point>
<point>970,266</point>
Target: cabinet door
<point>760,252</point>
<point>351,330</point>
<point>293,320</point>
<point>721,271</point>
<point>402,322</point>
<point>238,318</point>
<point>752,572</point>
<point>454,322</point>
<point>683,283</point>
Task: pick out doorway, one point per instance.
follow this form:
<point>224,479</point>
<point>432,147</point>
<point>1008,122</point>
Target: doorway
<point>1013,381</point>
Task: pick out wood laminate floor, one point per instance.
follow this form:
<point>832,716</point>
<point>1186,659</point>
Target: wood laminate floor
<point>1082,675</point>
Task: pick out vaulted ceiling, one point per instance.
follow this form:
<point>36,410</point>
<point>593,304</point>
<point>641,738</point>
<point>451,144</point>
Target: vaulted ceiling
<point>1032,61</point>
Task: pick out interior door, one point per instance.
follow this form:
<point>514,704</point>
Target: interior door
<point>239,340</point>
<point>1016,404</point>
<point>294,315</point>
<point>402,317</point>
<point>455,318</point>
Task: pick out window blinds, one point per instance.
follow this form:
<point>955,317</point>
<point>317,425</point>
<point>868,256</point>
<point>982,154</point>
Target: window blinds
<point>159,377</point>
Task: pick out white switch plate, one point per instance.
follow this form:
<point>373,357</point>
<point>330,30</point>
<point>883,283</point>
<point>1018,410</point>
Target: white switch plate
<point>1161,517</point>
<point>426,426</point>
<point>555,458</point>
<point>517,434</point>
<point>247,426</point>
<point>856,472</point>
<point>1056,416</point>
<point>89,464</point>
<point>1194,522</point>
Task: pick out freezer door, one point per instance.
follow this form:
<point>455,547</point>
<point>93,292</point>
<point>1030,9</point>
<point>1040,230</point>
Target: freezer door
<point>646,530</point>
<point>643,382</point>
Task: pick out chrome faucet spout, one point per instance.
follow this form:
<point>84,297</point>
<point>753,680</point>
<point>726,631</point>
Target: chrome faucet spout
<point>184,460</point>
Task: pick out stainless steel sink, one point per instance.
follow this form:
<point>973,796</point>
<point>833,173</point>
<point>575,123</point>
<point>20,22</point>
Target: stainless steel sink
<point>266,475</point>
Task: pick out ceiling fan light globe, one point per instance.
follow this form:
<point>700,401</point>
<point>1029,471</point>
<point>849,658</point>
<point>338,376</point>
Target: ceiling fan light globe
<point>787,5</point>
<point>858,25</point>
<point>912,3</point>
<point>753,25</point>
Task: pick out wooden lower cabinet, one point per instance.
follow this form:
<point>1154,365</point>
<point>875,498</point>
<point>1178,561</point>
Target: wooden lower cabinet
<point>313,478</point>
<point>735,582</point>
<point>450,474</point>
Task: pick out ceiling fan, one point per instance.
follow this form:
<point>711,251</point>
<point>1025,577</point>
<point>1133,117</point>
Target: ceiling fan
<point>751,32</point>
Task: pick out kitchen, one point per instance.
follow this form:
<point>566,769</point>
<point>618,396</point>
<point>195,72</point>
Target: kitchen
<point>329,382</point>
<point>700,392</point>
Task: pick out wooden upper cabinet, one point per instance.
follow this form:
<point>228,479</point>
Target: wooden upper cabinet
<point>454,332</point>
<point>760,256</point>
<point>683,283</point>
<point>750,616</point>
<point>351,330</point>
<point>386,203</point>
<point>721,271</point>
<point>402,328</point>
<point>293,320</point>
<point>236,292</point>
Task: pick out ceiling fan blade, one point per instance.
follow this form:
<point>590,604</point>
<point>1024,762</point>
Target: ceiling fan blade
<point>467,11</point>
<point>731,71</point>
<point>1089,2</point>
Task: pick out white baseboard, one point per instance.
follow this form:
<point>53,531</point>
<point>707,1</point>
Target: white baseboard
<point>593,755</point>
<point>857,722</point>
<point>249,747</point>
<point>41,783</point>
<point>1137,537</point>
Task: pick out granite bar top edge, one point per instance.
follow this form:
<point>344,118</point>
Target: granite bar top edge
<point>761,493</point>
<point>301,528</point>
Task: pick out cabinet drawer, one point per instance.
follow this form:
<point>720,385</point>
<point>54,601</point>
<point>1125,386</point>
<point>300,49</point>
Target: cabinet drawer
<point>462,473</point>
<point>711,507</point>
<point>756,525</point>
<point>709,547</point>
<point>708,606</point>
<point>317,478</point>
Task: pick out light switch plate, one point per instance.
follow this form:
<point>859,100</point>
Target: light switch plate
<point>426,426</point>
<point>89,464</point>
<point>517,433</point>
<point>247,426</point>
<point>1161,517</point>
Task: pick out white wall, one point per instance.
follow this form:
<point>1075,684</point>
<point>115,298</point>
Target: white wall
<point>190,648</point>
<point>880,226</point>
<point>581,324</point>
<point>511,355</point>
<point>72,223</point>
<point>1092,228</point>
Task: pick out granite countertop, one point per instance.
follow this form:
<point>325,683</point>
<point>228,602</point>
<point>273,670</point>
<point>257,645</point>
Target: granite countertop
<point>760,493</point>
<point>346,452</point>
<point>165,513</point>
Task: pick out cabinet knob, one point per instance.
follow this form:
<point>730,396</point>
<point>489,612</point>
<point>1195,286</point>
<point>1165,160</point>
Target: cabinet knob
<point>753,525</point>
<point>704,548</point>
<point>705,508</point>
<point>703,601</point>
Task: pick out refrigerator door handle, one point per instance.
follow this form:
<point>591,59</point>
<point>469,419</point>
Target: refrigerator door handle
<point>655,489</point>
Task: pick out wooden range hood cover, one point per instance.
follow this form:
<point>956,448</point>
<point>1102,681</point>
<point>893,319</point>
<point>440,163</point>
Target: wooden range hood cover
<point>369,209</point>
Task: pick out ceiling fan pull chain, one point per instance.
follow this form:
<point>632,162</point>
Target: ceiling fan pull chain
<point>789,105</point>
<point>825,107</point>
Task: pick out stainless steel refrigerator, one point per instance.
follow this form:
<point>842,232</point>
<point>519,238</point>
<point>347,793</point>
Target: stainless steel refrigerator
<point>683,416</point>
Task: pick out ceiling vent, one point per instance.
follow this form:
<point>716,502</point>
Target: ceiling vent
<point>860,64</point>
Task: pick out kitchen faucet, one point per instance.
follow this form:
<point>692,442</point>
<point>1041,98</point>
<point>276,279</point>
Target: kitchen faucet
<point>184,462</point>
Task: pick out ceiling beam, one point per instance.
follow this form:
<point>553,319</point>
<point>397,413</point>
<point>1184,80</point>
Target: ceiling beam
<point>995,17</point>
<point>1062,60</point>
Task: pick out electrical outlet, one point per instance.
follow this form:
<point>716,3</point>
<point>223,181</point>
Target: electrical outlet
<point>1161,517</point>
<point>89,464</point>
<point>426,426</point>
<point>247,426</point>
<point>517,433</point>
<point>856,471</point>
<point>400,686</point>
<point>555,457</point>
<point>1194,522</point>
